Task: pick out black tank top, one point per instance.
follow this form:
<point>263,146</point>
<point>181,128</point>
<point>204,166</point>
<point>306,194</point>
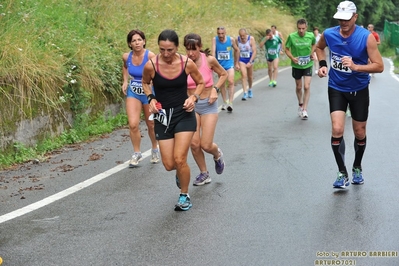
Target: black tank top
<point>170,92</point>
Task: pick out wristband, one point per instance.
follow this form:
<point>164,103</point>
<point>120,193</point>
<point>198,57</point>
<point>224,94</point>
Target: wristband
<point>197,97</point>
<point>217,89</point>
<point>150,97</point>
<point>322,63</point>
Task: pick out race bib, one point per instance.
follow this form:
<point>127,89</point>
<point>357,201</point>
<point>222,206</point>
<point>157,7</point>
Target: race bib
<point>303,60</point>
<point>272,51</point>
<point>160,116</point>
<point>245,54</point>
<point>224,55</point>
<point>136,87</point>
<point>336,63</point>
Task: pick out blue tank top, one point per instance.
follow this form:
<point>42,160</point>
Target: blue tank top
<point>342,78</point>
<point>224,53</point>
<point>136,73</point>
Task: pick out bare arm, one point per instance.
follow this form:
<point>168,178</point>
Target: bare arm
<point>148,75</point>
<point>125,73</point>
<point>192,69</point>
<point>262,42</point>
<point>321,55</point>
<point>376,65</point>
<point>253,46</point>
<point>236,51</point>
<point>213,52</point>
<point>219,70</point>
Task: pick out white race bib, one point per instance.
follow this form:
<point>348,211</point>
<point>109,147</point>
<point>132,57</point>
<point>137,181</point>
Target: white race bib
<point>224,55</point>
<point>303,60</point>
<point>336,63</point>
<point>272,51</point>
<point>136,87</point>
<point>245,54</point>
<point>160,116</point>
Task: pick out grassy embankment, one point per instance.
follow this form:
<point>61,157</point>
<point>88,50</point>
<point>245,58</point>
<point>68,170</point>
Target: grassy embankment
<point>60,57</point>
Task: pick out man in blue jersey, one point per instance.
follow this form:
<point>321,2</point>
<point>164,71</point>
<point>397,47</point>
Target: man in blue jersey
<point>225,50</point>
<point>350,48</point>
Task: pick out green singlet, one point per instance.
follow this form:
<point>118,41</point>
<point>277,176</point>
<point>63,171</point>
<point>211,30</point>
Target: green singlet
<point>272,48</point>
<point>301,47</point>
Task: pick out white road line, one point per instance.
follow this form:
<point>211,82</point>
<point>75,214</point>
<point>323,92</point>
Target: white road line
<point>62,194</point>
<point>46,201</point>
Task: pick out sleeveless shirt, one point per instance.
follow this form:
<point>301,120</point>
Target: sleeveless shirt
<point>206,73</point>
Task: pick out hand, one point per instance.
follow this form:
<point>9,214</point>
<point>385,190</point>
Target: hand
<point>347,61</point>
<point>322,72</point>
<point>189,104</point>
<point>213,97</point>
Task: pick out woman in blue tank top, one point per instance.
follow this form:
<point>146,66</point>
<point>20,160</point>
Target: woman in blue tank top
<point>133,64</point>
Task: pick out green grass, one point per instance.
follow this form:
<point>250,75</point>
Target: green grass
<point>66,57</point>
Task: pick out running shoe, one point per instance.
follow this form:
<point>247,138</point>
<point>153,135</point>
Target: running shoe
<point>342,181</point>
<point>271,83</point>
<point>304,115</point>
<point>244,96</point>
<point>136,158</point>
<point>357,176</point>
<point>274,83</point>
<point>219,163</point>
<point>230,107</point>
<point>184,203</point>
<point>250,95</point>
<point>202,179</point>
<point>155,156</point>
<point>300,110</point>
<point>224,105</point>
<point>178,182</point>
<point>348,112</point>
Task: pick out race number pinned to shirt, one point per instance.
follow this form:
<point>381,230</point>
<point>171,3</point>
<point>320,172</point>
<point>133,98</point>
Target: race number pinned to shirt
<point>223,55</point>
<point>272,51</point>
<point>160,116</point>
<point>303,60</point>
<point>136,87</point>
<point>245,54</point>
<point>336,63</point>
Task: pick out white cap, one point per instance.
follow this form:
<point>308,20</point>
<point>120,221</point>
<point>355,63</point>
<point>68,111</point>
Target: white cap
<point>345,10</point>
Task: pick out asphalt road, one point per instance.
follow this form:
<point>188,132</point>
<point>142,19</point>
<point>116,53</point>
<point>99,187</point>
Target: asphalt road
<point>273,205</point>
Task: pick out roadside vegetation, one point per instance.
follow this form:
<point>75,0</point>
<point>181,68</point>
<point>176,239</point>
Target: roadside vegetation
<point>64,57</point>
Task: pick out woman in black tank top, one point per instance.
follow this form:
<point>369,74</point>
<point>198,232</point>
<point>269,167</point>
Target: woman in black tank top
<point>173,110</point>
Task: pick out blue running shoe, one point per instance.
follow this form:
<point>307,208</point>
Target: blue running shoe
<point>178,182</point>
<point>184,203</point>
<point>357,176</point>
<point>244,96</point>
<point>271,83</point>
<point>219,163</point>
<point>202,179</point>
<point>250,95</point>
<point>342,181</point>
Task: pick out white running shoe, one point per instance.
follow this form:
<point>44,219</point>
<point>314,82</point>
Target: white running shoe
<point>304,115</point>
<point>136,158</point>
<point>300,110</point>
<point>155,156</point>
<point>224,105</point>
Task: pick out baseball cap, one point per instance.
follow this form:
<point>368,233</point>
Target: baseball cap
<point>345,10</point>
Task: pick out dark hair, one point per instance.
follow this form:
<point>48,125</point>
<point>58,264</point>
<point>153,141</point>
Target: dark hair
<point>169,35</point>
<point>268,31</point>
<point>315,28</point>
<point>130,36</point>
<point>192,40</point>
<point>274,26</point>
<point>301,21</point>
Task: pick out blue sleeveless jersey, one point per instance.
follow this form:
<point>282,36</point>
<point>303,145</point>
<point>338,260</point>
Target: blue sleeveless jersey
<point>224,53</point>
<point>136,73</point>
<point>342,78</point>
